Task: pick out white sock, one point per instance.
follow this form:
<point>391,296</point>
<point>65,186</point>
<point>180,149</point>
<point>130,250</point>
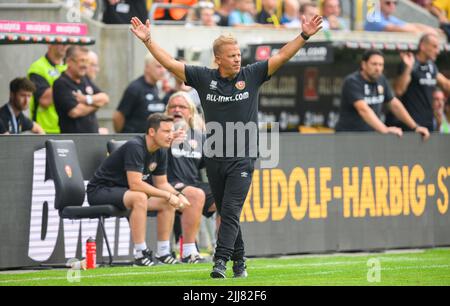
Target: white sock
<point>189,249</point>
<point>163,248</point>
<point>139,247</point>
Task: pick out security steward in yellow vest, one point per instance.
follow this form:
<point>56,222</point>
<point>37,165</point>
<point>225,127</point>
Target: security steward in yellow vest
<point>43,73</point>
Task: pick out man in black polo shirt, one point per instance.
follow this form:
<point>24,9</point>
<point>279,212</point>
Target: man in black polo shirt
<point>120,11</point>
<point>417,80</point>
<point>363,94</point>
<point>185,162</point>
<point>229,97</point>
<point>12,119</point>
<point>77,98</point>
<point>140,100</point>
<point>134,177</point>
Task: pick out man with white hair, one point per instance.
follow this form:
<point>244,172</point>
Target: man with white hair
<point>185,160</point>
<point>140,99</point>
<point>93,67</point>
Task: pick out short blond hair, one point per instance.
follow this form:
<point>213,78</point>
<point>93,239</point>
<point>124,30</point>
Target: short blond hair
<point>223,40</point>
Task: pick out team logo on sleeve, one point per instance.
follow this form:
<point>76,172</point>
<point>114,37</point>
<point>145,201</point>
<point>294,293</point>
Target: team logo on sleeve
<point>152,167</point>
<point>68,170</point>
<point>240,85</point>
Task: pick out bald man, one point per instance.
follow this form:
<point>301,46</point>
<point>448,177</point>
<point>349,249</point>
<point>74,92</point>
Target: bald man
<point>140,100</point>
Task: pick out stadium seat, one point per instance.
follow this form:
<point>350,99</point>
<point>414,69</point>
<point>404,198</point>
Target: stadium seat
<point>63,167</point>
<point>113,145</point>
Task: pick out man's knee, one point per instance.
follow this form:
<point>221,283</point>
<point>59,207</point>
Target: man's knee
<point>196,197</point>
<point>136,200</point>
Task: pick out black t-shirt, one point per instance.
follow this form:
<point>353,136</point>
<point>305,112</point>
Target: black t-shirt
<point>418,98</point>
<point>356,88</point>
<point>139,101</point>
<point>7,123</point>
<point>186,159</point>
<point>229,101</point>
<point>3,128</point>
<point>132,156</point>
<point>122,12</point>
<point>64,100</point>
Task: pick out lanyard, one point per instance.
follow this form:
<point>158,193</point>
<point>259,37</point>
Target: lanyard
<point>13,120</point>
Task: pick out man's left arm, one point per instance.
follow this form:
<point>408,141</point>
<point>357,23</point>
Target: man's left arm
<point>291,48</point>
<point>98,99</point>
<point>443,83</point>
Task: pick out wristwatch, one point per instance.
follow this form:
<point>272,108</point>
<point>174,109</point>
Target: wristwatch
<point>304,36</point>
<point>89,100</point>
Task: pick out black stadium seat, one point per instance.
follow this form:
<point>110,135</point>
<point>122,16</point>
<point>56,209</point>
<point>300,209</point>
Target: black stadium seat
<point>63,167</point>
<point>113,145</point>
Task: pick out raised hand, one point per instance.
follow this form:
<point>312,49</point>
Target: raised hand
<point>312,26</point>
<point>140,30</point>
<point>408,58</point>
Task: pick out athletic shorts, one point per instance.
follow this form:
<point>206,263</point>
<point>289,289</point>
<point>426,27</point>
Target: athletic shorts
<point>103,195</point>
<point>209,198</point>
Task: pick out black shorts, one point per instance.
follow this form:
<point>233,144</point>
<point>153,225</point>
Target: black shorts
<point>209,198</point>
<point>104,195</point>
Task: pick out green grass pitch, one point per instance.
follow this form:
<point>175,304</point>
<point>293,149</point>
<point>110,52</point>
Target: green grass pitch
<point>422,267</point>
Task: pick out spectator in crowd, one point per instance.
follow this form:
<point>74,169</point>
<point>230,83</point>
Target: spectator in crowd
<point>267,14</point>
<point>12,119</point>
<point>134,177</point>
<point>441,9</point>
<point>441,110</point>
<point>291,17</point>
<point>181,86</point>
<point>309,10</point>
<point>140,99</point>
<point>423,3</point>
<point>418,77</point>
<point>93,67</point>
<point>43,73</point>
<point>207,16</point>
<point>92,71</point>
<point>77,98</point>
<point>385,21</point>
<point>363,94</point>
<point>332,20</point>
<point>185,159</point>
<point>226,7</point>
<point>242,15</point>
<point>177,14</point>
<point>121,11</point>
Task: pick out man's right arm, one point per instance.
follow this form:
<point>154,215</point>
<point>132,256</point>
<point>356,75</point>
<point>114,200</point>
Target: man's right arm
<point>43,92</point>
<point>369,116</point>
<point>402,82</point>
<point>143,33</point>
<point>118,121</point>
